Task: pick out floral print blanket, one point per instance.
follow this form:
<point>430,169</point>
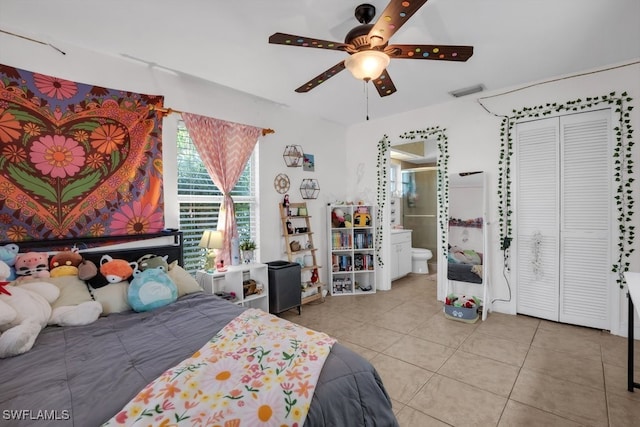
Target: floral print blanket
<point>259,370</point>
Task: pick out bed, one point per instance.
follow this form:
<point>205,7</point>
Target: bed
<point>84,375</point>
<point>464,265</point>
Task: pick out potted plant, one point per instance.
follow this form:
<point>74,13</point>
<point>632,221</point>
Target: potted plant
<point>247,247</point>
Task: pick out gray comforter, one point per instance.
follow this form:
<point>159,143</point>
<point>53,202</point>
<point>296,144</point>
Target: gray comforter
<point>82,376</point>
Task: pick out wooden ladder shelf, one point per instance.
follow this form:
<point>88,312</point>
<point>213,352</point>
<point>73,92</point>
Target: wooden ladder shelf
<point>296,227</point>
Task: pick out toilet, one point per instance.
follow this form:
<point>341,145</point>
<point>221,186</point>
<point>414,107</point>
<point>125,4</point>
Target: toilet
<point>419,258</point>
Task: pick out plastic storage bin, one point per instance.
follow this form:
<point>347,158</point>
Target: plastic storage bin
<point>463,314</point>
<point>284,286</point>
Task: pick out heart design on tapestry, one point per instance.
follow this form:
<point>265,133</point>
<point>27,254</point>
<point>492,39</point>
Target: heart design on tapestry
<point>94,169</point>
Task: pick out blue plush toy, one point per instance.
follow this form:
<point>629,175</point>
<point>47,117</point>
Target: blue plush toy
<point>8,254</point>
<point>151,289</point>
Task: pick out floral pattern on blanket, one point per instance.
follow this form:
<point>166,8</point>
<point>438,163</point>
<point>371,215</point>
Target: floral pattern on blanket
<point>259,370</point>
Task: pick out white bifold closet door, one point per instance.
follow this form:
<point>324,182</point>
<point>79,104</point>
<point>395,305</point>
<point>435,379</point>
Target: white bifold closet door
<point>563,200</point>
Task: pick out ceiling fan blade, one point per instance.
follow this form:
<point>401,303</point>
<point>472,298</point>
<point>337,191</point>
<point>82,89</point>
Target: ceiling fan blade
<point>321,78</point>
<point>384,85</point>
<point>430,51</point>
<point>392,18</point>
<point>292,40</point>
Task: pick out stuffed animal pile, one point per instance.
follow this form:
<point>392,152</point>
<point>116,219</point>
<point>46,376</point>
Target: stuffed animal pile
<point>60,291</point>
<point>463,301</point>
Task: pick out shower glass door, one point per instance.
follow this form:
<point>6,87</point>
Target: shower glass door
<point>420,207</point>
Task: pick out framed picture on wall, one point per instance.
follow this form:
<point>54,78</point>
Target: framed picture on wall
<point>308,163</point>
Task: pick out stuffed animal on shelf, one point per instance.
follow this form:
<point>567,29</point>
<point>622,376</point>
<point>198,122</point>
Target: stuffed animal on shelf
<point>362,218</point>
<point>337,218</point>
<point>32,265</point>
<point>314,276</point>
<point>24,311</point>
<point>8,254</point>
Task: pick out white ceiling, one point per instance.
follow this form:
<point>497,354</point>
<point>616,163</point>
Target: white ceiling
<point>515,42</point>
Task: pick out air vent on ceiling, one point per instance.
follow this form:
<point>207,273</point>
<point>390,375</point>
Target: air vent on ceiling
<point>467,91</point>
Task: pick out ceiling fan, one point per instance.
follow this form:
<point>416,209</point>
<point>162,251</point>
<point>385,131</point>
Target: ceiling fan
<point>369,49</point>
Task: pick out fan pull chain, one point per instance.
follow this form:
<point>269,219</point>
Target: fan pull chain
<point>366,91</point>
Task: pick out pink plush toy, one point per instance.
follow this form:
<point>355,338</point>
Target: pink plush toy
<point>32,265</point>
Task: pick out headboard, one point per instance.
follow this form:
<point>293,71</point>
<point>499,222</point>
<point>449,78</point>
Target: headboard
<point>129,248</point>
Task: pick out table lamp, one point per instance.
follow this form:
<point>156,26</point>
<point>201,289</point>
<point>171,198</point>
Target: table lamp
<point>211,240</point>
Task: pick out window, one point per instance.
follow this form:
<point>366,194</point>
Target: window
<point>200,200</point>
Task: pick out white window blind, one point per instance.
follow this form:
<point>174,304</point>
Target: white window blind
<point>200,200</point>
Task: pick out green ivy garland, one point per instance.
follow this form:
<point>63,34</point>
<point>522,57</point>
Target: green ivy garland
<point>623,170</point>
<point>442,185</point>
<point>381,198</point>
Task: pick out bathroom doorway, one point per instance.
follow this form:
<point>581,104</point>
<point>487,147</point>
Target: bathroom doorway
<point>414,194</point>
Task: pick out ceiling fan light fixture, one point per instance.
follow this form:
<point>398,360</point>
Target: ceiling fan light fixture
<point>367,65</point>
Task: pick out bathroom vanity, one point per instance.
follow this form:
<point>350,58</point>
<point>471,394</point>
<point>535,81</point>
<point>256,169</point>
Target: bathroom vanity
<point>400,253</point>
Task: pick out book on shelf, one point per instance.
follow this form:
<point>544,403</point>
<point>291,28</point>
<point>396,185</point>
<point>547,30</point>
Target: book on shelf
<point>340,240</point>
<point>363,262</point>
<point>363,239</point>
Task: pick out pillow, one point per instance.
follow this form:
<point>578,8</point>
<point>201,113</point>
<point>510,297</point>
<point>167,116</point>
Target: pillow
<point>184,281</point>
<point>113,297</point>
<point>151,289</point>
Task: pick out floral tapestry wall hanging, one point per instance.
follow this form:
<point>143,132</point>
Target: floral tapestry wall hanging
<point>77,160</point>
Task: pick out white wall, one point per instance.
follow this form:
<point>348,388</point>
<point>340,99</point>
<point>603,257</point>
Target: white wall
<point>323,139</point>
<point>474,143</point>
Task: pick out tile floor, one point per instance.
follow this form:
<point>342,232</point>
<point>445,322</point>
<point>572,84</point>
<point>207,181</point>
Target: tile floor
<point>505,371</point>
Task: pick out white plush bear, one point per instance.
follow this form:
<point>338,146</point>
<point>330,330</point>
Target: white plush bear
<point>24,311</point>
<point>7,313</point>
